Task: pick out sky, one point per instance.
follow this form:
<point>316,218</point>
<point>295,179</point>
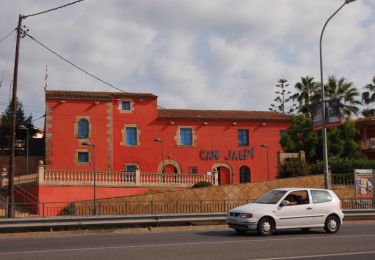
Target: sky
<point>196,54</point>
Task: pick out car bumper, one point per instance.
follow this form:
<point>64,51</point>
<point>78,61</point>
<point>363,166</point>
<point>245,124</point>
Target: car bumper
<point>241,223</point>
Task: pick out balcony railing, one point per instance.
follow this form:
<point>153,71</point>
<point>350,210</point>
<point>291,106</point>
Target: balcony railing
<point>107,178</point>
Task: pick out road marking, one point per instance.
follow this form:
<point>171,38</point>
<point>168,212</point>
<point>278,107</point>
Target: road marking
<point>184,244</point>
<point>314,256</point>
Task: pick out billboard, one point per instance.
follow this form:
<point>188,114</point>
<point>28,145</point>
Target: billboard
<point>332,117</point>
<point>364,184</point>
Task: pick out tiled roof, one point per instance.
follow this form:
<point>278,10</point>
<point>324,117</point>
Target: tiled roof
<point>365,121</point>
<point>91,95</point>
<point>232,115</point>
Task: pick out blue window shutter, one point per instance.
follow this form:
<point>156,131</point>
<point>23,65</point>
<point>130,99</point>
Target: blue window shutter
<point>83,128</point>
<point>243,137</point>
<point>131,168</point>
<point>131,136</point>
<point>83,157</point>
<point>125,105</point>
<point>186,136</point>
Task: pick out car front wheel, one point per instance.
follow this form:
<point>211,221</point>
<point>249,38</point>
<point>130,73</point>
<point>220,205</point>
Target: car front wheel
<point>265,227</point>
<point>332,224</point>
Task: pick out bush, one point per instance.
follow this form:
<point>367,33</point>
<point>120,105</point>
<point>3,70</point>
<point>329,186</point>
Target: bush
<point>340,165</point>
<point>202,184</point>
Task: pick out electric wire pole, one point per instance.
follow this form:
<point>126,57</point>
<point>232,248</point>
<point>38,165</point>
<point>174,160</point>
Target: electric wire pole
<point>20,33</point>
<point>10,212</point>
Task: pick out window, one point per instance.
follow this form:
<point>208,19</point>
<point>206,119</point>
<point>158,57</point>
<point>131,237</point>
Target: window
<point>320,196</point>
<point>244,174</point>
<point>186,136</point>
<point>243,137</point>
<point>83,157</point>
<point>298,197</point>
<point>193,170</point>
<point>125,105</point>
<point>131,168</point>
<point>83,128</point>
<point>131,136</point>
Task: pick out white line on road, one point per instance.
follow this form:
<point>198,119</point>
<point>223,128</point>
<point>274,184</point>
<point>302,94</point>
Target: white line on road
<point>315,256</point>
<point>182,244</point>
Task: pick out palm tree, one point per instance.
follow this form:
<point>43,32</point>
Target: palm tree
<point>305,96</point>
<point>346,93</point>
<point>368,97</point>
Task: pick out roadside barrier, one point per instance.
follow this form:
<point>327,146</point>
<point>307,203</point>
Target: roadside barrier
<point>76,222</point>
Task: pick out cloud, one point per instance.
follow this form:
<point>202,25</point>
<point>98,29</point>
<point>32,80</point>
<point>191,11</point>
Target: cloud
<point>219,54</point>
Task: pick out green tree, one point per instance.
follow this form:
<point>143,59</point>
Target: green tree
<point>368,98</point>
<point>283,99</point>
<point>346,93</point>
<point>5,123</point>
<point>306,95</point>
<point>301,137</point>
<point>341,141</point>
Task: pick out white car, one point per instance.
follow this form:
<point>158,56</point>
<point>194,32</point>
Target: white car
<point>286,208</point>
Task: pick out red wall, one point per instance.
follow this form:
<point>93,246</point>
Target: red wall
<point>219,136</point>
<point>63,144</point>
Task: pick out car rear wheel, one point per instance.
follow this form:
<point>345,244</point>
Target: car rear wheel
<point>266,227</point>
<point>332,224</point>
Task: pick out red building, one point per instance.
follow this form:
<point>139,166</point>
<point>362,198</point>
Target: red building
<point>129,131</point>
<point>366,128</point>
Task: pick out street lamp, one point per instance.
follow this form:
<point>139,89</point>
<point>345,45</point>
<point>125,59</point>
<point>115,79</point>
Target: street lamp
<point>159,140</point>
<point>86,143</point>
<point>23,127</point>
<point>324,131</point>
<point>268,168</point>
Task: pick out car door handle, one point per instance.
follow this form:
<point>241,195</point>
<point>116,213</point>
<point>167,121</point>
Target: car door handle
<point>308,208</point>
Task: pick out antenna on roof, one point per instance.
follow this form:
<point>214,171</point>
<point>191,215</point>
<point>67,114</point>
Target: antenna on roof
<point>46,79</point>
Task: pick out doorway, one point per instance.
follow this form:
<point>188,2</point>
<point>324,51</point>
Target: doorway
<point>224,175</point>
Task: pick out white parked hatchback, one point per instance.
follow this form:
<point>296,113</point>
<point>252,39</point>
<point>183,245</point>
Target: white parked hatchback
<point>287,208</point>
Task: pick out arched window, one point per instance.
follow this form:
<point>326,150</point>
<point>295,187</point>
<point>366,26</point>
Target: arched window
<point>83,128</point>
<point>244,174</point>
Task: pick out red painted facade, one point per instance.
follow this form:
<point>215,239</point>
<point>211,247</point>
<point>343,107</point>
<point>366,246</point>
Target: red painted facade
<point>215,143</point>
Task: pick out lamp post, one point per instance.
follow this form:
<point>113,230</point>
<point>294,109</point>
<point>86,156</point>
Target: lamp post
<point>159,140</point>
<point>324,131</point>
<point>268,168</point>
<point>23,127</point>
<point>86,143</point>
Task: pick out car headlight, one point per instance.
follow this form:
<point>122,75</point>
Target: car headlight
<point>246,215</point>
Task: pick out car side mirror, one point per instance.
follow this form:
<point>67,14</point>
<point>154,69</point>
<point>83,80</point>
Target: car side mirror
<point>285,203</point>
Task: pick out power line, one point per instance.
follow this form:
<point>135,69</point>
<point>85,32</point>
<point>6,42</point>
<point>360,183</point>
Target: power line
<point>79,68</point>
<point>71,63</point>
<point>53,9</point>
<point>6,36</point>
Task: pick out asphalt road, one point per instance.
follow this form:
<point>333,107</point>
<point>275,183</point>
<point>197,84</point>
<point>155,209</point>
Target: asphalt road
<point>354,241</point>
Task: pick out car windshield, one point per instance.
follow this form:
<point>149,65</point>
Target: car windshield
<point>271,197</point>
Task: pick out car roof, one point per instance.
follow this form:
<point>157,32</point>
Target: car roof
<point>298,188</point>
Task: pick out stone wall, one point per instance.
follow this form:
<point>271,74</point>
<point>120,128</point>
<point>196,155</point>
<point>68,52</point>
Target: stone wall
<point>248,191</point>
<point>208,199</point>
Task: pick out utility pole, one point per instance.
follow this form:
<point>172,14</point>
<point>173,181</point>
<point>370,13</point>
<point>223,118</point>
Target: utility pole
<point>10,213</point>
<point>20,33</point>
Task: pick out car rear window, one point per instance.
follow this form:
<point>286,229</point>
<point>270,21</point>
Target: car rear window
<point>320,196</point>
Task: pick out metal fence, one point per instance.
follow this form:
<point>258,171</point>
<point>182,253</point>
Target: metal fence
<point>342,179</point>
<point>24,210</point>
